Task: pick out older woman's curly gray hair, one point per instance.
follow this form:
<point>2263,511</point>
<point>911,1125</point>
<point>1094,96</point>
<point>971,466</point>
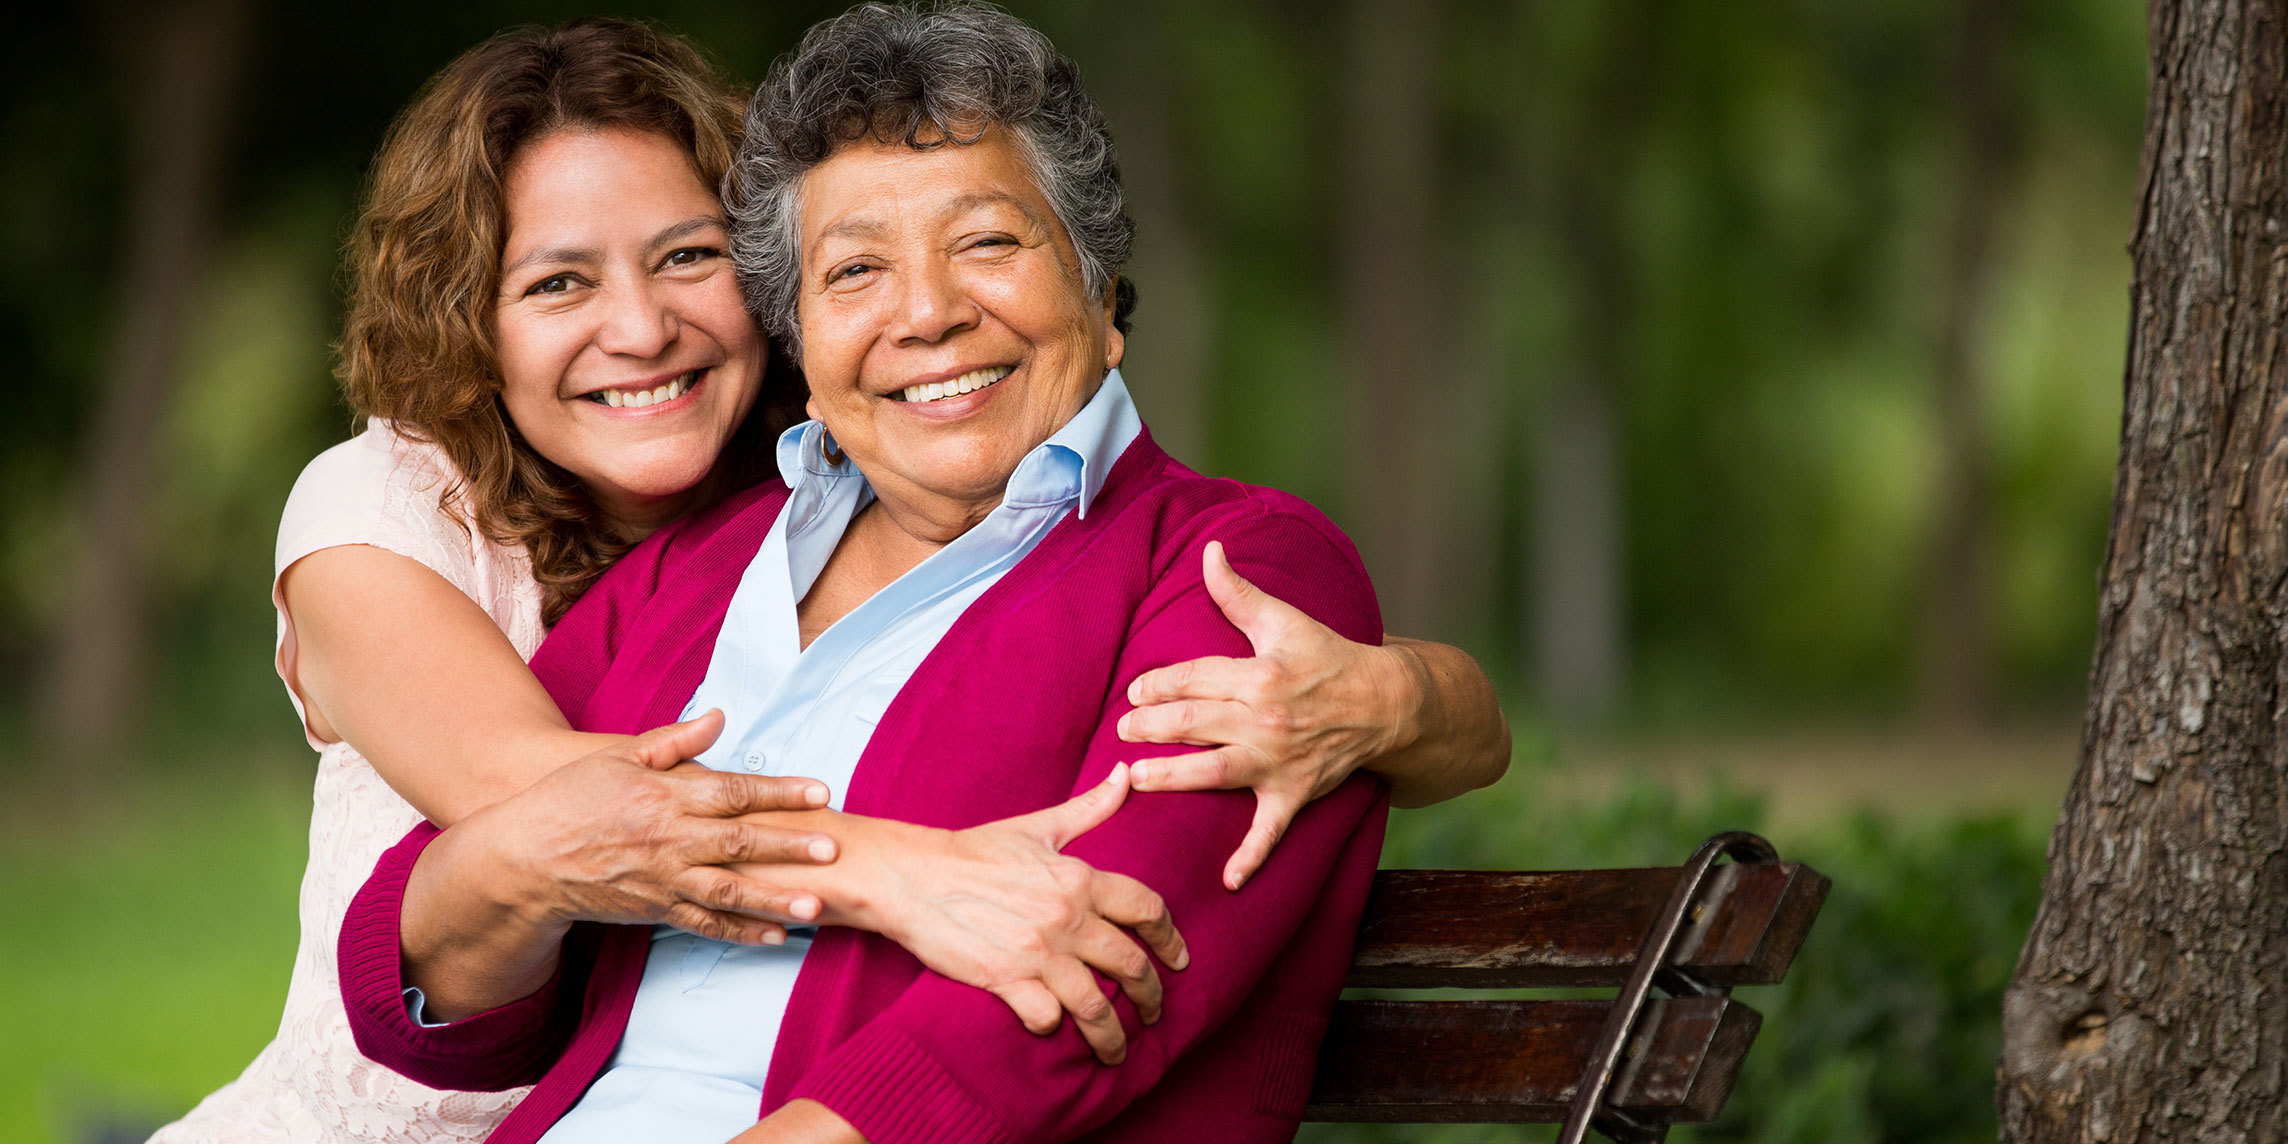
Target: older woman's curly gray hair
<point>924,77</point>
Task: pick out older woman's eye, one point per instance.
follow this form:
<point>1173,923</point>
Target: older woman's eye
<point>553,284</point>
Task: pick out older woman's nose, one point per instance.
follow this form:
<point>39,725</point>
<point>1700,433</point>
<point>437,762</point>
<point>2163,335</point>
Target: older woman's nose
<point>931,305</point>
<point>636,322</point>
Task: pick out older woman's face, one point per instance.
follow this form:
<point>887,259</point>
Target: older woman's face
<point>626,353</point>
<point>945,329</point>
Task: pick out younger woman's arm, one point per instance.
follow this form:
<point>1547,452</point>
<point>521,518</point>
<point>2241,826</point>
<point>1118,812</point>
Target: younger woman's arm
<point>1310,707</point>
<point>400,663</point>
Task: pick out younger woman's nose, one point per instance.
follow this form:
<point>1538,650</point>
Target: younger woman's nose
<point>636,322</point>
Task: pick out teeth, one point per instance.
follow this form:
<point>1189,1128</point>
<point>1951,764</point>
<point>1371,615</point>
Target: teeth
<point>970,382</point>
<point>643,398</point>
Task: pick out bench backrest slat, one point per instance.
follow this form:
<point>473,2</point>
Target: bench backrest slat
<point>1568,928</point>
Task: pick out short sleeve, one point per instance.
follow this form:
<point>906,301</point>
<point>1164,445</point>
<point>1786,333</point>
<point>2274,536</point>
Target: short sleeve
<point>381,489</point>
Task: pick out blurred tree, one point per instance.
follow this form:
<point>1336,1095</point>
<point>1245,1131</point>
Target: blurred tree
<point>1958,640</point>
<point>2147,1003</point>
<point>1386,245</point>
<point>1579,510</point>
<point>181,60</point>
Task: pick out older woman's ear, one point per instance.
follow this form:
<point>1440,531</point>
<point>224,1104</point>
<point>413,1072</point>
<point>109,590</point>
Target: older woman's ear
<point>1115,338</point>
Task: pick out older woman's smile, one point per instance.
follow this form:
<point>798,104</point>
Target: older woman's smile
<point>967,381</point>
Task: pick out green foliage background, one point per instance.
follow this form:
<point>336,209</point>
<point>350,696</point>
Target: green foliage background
<point>1780,174</point>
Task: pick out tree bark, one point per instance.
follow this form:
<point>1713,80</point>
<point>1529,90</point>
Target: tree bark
<point>183,58</point>
<point>2151,1001</point>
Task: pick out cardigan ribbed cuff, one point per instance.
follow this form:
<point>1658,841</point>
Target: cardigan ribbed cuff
<point>489,1051</point>
<point>892,1092</point>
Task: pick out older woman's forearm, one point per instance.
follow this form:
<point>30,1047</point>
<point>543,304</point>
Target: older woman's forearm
<point>474,931</point>
<point>1459,738</point>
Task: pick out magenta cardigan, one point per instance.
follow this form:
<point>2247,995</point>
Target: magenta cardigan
<point>1013,711</point>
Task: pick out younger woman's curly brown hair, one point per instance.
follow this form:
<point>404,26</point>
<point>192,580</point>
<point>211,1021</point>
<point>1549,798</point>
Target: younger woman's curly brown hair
<point>424,266</point>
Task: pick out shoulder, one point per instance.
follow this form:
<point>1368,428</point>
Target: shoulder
<point>1184,510</point>
<point>1276,539</point>
<point>382,489</point>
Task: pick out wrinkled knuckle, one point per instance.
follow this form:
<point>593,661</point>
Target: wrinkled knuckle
<point>1093,1008</point>
<point>1134,965</point>
<point>1222,770</point>
<point>1278,718</point>
<point>1073,878</point>
<point>1179,717</point>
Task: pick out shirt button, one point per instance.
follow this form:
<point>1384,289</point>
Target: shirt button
<point>756,762</point>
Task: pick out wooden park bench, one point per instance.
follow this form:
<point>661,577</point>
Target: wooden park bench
<point>1630,1065</point>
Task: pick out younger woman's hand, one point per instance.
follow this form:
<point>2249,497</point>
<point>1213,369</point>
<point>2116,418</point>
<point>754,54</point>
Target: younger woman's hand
<point>1293,722</point>
<point>636,834</point>
<point>996,906</point>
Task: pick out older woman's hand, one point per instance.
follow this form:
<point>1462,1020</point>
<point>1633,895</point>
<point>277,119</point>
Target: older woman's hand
<point>1310,708</point>
<point>997,907</point>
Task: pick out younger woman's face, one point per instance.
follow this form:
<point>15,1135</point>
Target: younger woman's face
<point>626,353</point>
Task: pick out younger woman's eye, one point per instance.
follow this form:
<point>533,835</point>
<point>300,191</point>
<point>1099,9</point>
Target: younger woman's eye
<point>692,255</point>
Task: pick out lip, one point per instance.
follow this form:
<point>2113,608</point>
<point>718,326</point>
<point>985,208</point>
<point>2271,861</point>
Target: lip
<point>951,408</point>
<point>689,398</point>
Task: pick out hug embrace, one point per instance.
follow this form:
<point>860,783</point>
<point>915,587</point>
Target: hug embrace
<point>768,683</point>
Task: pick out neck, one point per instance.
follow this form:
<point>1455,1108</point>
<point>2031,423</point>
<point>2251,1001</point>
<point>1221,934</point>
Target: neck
<point>636,517</point>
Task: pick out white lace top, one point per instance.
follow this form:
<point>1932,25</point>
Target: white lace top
<point>311,1085</point>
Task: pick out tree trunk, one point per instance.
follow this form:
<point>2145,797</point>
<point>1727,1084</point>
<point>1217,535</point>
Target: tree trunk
<point>2151,1002</point>
<point>1386,247</point>
<point>1578,528</point>
<point>1167,359</point>
<point>1958,638</point>
<point>183,58</point>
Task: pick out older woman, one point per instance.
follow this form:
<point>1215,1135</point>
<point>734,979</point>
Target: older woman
<point>549,341</point>
<point>975,554</point>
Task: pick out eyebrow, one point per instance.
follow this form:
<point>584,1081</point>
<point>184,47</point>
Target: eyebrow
<point>583,254</point>
<point>865,228</point>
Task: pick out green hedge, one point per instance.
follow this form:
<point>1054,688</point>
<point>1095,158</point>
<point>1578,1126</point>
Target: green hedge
<point>1886,1030</point>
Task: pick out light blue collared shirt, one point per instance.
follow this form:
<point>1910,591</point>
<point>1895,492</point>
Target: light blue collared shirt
<point>698,1044</point>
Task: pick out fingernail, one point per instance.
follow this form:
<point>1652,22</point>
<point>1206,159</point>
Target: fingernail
<point>822,850</point>
<point>1119,772</point>
<point>1183,958</point>
<point>775,937</point>
<point>804,908</point>
<point>1141,773</point>
<point>814,794</point>
<point>1123,726</point>
<point>1136,692</point>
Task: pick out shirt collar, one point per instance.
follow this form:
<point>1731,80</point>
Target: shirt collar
<point>1072,464</point>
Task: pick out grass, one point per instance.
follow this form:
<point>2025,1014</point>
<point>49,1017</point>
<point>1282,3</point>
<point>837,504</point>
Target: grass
<point>146,957</point>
